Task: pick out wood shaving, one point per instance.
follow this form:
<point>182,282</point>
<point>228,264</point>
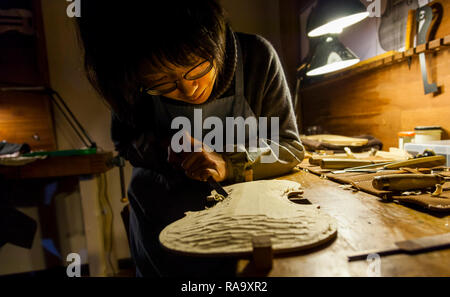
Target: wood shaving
<point>438,192</point>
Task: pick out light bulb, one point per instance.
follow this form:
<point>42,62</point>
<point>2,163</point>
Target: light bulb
<point>337,26</point>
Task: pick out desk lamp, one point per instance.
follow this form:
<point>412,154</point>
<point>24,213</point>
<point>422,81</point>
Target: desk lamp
<point>327,19</point>
<point>330,56</point>
<point>332,17</point>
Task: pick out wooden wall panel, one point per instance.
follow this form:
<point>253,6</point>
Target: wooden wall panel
<point>290,11</point>
<point>444,28</point>
<point>290,37</point>
<point>381,102</point>
<point>23,115</point>
<point>23,58</point>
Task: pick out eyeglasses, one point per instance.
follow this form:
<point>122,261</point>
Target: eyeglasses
<point>195,73</point>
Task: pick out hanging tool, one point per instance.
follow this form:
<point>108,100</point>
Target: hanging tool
<point>426,32</point>
<point>391,33</point>
<point>409,246</point>
<point>424,16</point>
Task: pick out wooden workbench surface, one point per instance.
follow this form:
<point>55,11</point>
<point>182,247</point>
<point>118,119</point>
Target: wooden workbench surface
<point>364,222</point>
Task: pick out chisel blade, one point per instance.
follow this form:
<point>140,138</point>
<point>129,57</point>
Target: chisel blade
<point>216,186</point>
<point>410,246</point>
<point>428,87</point>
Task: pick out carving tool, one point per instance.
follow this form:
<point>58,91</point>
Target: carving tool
<point>177,158</point>
<point>425,162</point>
<point>216,186</point>
<point>424,17</point>
<point>418,245</point>
<point>406,182</point>
<point>340,163</point>
<point>315,159</point>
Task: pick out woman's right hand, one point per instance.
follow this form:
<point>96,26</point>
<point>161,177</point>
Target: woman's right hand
<point>202,164</point>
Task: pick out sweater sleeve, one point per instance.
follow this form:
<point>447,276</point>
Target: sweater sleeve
<point>268,93</point>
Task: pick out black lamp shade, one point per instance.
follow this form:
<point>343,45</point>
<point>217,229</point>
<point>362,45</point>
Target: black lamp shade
<point>330,55</point>
<point>332,16</point>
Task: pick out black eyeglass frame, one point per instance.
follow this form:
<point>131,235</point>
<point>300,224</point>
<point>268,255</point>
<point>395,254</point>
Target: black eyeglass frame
<point>174,84</point>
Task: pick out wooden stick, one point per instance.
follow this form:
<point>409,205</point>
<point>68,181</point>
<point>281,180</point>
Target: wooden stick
<point>410,30</point>
<point>262,252</point>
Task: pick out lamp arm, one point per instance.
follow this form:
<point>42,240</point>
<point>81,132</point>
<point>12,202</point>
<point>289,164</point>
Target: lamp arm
<point>65,110</point>
<point>297,104</point>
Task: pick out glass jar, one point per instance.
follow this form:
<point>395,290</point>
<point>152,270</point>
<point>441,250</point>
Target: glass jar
<point>426,134</point>
<point>405,137</point>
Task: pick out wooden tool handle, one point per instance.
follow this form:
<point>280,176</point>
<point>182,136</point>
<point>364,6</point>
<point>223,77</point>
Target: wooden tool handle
<point>426,162</point>
<point>406,182</point>
<point>410,30</point>
<point>315,160</point>
<point>347,163</point>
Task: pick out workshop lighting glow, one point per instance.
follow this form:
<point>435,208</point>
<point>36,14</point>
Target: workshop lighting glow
<point>336,26</point>
<point>332,67</point>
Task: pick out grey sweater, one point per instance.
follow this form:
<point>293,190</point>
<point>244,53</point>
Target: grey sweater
<point>267,93</point>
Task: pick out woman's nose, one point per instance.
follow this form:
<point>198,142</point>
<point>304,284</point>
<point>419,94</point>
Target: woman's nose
<point>187,87</point>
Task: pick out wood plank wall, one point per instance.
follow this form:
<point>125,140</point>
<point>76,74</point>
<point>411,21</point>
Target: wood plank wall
<point>23,115</point>
<point>383,101</point>
<point>26,117</point>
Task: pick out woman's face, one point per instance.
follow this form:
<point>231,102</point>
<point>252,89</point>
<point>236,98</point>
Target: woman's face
<point>195,91</point>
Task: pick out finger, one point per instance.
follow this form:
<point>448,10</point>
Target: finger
<point>191,159</point>
<point>201,175</point>
<point>193,176</point>
<point>203,163</point>
<point>191,144</point>
<point>186,141</point>
<point>197,146</point>
<point>172,157</point>
<point>204,174</point>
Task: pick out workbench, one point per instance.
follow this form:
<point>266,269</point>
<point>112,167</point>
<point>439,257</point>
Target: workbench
<point>71,174</point>
<point>364,222</point>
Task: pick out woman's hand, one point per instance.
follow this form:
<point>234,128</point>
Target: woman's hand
<point>200,165</point>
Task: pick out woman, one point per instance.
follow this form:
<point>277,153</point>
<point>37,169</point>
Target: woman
<point>153,63</point>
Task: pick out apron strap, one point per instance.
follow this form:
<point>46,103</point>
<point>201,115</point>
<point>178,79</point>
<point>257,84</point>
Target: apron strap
<point>239,83</point>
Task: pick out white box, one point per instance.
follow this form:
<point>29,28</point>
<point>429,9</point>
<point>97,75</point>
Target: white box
<point>439,147</point>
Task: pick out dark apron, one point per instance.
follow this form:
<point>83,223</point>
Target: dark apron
<point>160,198</point>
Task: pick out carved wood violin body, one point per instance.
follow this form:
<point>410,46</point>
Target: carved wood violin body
<point>252,209</point>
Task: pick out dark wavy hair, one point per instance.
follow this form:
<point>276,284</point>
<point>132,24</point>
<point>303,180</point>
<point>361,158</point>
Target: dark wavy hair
<point>117,36</point>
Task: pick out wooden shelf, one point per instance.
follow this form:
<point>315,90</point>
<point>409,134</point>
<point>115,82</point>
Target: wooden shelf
<point>60,166</point>
<point>383,60</point>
